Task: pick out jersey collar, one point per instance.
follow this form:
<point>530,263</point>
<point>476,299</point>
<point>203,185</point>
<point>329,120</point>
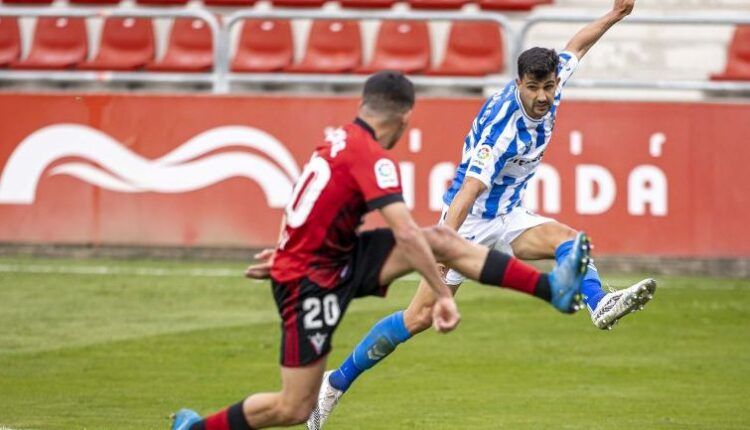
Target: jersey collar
<point>365,126</point>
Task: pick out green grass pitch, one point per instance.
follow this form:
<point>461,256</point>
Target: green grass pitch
<point>119,345</point>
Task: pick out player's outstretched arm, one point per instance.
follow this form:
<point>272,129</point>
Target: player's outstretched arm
<point>420,256</point>
<point>462,202</point>
<point>589,35</point>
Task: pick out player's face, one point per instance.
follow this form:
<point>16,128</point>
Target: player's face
<point>537,95</point>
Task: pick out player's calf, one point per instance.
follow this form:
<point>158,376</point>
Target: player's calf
<point>419,318</point>
<point>290,415</point>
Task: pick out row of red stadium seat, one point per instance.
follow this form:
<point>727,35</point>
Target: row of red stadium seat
<point>127,44</point>
<point>264,46</point>
<point>335,47</point>
<point>510,5</point>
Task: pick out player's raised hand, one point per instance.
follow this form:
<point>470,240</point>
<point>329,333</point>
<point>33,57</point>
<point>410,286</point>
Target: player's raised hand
<point>624,7</point>
<point>261,269</point>
<point>445,316</point>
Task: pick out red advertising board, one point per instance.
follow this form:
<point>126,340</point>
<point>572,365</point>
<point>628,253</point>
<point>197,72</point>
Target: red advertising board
<point>642,178</point>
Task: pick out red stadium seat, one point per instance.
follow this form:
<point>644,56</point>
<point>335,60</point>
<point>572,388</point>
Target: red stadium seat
<point>298,3</point>
<point>190,48</point>
<point>437,4</point>
<point>10,41</point>
<point>127,44</point>
<point>332,47</point>
<point>401,45</point>
<point>368,4</point>
<point>59,43</point>
<point>264,46</point>
<point>94,2</point>
<point>511,5</point>
<point>162,2</point>
<point>738,59</point>
<point>235,3</point>
<point>474,49</point>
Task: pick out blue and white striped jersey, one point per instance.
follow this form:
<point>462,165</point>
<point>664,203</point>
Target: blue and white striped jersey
<point>505,146</point>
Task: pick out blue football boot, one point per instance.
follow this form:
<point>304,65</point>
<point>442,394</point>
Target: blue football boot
<point>566,278</point>
<point>184,418</point>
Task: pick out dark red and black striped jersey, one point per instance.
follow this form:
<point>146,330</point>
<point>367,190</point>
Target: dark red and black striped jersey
<point>348,176</point>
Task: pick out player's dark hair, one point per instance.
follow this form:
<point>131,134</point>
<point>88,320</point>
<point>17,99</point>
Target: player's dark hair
<point>537,63</point>
<point>388,92</point>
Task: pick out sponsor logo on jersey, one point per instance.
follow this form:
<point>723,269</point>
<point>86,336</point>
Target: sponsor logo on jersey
<point>385,173</point>
<point>522,162</point>
<point>96,158</point>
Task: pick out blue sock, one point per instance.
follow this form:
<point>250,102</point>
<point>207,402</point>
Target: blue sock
<point>592,285</point>
<point>379,342</point>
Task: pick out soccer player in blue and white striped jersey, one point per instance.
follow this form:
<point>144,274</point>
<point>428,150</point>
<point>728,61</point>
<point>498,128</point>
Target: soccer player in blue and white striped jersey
<point>509,136</point>
<point>483,204</point>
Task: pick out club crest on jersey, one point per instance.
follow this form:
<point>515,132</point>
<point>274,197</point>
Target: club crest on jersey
<point>318,340</point>
<point>385,173</point>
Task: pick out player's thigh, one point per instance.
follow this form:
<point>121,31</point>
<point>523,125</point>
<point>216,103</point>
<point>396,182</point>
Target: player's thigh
<point>442,242</point>
<point>540,241</point>
<point>397,263</point>
<point>447,245</point>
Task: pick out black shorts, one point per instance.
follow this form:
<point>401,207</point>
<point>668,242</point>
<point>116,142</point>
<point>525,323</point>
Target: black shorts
<point>310,313</point>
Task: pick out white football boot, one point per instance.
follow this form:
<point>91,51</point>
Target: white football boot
<point>617,304</point>
<point>327,399</point>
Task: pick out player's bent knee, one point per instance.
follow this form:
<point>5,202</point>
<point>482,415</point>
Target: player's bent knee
<point>567,234</point>
<point>444,241</point>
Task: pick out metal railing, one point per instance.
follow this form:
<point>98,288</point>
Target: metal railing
<point>214,78</point>
<point>702,19</point>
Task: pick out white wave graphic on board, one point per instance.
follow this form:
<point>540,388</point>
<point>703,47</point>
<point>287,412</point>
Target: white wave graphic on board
<point>106,163</point>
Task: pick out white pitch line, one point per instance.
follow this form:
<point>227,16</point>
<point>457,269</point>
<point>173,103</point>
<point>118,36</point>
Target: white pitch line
<point>123,270</point>
<point>134,271</point>
<point>212,273</point>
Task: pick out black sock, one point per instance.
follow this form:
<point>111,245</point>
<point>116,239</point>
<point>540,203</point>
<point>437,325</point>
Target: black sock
<point>510,272</point>
<point>543,289</point>
<point>233,416</point>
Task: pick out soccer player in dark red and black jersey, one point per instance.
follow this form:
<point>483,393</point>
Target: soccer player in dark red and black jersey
<point>322,262</point>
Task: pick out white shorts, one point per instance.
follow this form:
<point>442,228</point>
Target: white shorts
<point>497,233</point>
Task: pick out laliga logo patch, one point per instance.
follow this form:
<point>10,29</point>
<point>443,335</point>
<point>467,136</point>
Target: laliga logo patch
<point>482,155</point>
<point>385,173</point>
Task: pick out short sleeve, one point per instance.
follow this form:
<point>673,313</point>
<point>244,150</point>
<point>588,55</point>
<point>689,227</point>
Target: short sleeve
<point>566,66</point>
<point>493,149</point>
<point>377,177</point>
